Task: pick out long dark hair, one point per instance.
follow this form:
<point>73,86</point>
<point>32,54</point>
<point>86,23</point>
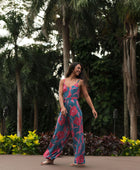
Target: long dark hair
<point>82,75</point>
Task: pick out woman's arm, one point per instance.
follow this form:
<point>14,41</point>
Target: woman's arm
<point>88,99</point>
<point>63,109</point>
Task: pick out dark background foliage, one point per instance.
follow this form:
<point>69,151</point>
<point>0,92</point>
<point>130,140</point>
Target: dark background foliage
<point>100,146</point>
<point>96,28</point>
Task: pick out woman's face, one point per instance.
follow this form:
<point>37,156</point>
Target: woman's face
<point>77,69</point>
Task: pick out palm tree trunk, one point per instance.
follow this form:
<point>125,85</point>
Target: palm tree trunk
<point>19,93</point>
<point>126,126</point>
<point>19,104</point>
<point>66,43</point>
<point>133,126</point>
<point>35,114</point>
<point>130,75</point>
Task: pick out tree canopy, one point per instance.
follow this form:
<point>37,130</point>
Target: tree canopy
<point>90,31</point>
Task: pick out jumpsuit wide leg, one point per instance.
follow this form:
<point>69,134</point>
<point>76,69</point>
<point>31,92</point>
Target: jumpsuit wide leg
<point>72,124</point>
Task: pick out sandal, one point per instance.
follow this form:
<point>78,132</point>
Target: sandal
<point>77,165</point>
<point>47,162</point>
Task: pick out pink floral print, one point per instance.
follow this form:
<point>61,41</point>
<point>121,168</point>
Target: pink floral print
<point>72,124</point>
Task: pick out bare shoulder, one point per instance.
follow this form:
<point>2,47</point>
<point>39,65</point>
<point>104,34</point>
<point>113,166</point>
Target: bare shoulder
<point>61,81</point>
<point>81,82</point>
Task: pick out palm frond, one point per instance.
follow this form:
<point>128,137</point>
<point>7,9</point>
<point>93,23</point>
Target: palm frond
<point>77,4</point>
<point>128,9</point>
<point>3,41</point>
<point>48,17</point>
<point>34,10</point>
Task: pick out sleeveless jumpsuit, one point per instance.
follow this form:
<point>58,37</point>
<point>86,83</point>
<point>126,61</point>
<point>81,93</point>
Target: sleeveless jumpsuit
<point>72,124</point>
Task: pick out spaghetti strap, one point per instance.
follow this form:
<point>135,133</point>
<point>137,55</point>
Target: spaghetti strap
<point>78,81</point>
<point>72,85</point>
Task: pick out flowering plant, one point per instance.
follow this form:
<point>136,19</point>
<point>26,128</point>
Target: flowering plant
<point>2,139</point>
<point>12,144</point>
<point>131,147</point>
<point>30,143</point>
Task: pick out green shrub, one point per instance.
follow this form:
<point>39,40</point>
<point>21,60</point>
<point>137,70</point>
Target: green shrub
<point>31,143</point>
<point>94,145</point>
<point>131,147</point>
<point>12,144</point>
<point>98,146</point>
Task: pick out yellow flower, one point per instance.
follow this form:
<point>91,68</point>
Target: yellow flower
<point>25,140</point>
<point>24,153</point>
<point>36,142</point>
<point>30,137</point>
<point>34,131</point>
<point>13,146</point>
<point>130,147</point>
<point>138,142</point>
<point>1,138</point>
<point>124,139</point>
<point>131,141</point>
<point>13,137</point>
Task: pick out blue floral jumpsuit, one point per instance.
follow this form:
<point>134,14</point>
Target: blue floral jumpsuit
<point>72,124</point>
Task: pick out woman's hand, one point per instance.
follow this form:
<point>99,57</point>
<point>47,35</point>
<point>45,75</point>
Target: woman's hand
<point>94,113</point>
<point>63,111</point>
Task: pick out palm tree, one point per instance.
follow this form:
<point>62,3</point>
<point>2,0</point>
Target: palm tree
<point>130,13</point>
<point>58,16</point>
<point>39,82</point>
<point>14,25</point>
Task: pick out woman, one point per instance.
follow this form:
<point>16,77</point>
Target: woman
<point>70,119</point>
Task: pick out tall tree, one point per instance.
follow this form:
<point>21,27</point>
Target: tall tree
<point>40,85</point>
<point>14,24</point>
<point>130,12</point>
<point>59,15</point>
<point>53,9</point>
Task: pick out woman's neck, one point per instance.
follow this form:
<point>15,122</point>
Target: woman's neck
<point>72,77</point>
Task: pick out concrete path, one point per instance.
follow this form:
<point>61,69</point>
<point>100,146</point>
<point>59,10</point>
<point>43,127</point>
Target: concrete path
<point>20,162</point>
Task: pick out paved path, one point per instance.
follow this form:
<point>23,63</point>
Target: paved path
<point>20,162</point>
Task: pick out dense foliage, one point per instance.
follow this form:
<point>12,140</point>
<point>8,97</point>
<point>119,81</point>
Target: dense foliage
<point>133,149</point>
<point>94,28</point>
<point>12,144</point>
<point>100,146</point>
<point>105,83</point>
<point>38,82</point>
